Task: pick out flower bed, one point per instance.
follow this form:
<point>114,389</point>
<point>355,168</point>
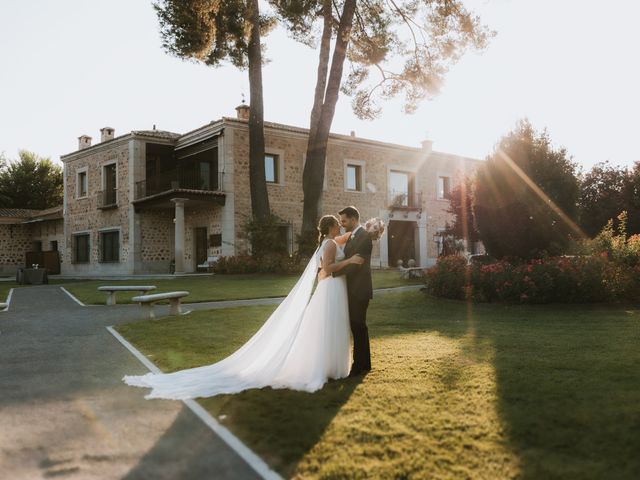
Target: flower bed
<point>578,279</point>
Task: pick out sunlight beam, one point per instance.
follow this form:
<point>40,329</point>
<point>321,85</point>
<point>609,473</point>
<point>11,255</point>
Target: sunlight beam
<point>543,196</point>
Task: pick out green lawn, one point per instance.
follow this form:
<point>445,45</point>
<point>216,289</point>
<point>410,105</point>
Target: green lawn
<point>457,391</point>
<point>215,287</point>
<point>4,290</point>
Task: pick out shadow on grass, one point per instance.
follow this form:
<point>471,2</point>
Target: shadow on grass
<point>569,390</point>
<point>283,421</point>
<point>567,378</point>
<point>190,450</point>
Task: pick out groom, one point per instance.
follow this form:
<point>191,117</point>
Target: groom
<point>359,289</point>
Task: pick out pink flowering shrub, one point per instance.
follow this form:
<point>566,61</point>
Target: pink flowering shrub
<point>578,279</point>
<point>447,279</point>
<point>607,269</point>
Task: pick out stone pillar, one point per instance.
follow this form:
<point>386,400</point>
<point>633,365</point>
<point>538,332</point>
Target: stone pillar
<point>179,234</point>
<point>422,241</point>
<point>383,243</point>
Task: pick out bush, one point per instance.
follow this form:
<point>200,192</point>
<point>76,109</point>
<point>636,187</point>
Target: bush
<point>280,264</point>
<point>265,236</point>
<point>447,278</point>
<point>579,279</point>
<point>237,264</point>
<point>607,268</point>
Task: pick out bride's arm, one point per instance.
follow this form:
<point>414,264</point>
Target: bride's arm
<point>329,257</point>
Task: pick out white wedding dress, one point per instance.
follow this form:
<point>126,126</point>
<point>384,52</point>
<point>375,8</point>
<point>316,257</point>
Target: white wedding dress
<point>301,345</point>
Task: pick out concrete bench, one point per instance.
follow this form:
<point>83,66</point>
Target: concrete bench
<point>111,299</point>
<point>3,306</point>
<point>206,265</point>
<point>147,301</point>
<point>411,272</point>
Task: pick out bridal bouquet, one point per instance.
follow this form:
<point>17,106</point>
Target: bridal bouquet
<point>375,228</point>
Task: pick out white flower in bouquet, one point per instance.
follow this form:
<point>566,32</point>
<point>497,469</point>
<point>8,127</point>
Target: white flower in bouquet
<point>374,227</point>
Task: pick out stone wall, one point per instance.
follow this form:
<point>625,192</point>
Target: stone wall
<point>15,241</point>
<point>47,232</point>
<point>156,240</point>
<point>83,214</point>
<point>286,198</point>
<point>158,236</point>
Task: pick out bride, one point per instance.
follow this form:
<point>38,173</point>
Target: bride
<point>305,341</point>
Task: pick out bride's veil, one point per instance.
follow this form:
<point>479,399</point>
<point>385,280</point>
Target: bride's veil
<point>254,364</point>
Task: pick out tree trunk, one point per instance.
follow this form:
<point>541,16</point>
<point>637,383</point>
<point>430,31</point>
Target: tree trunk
<point>322,118</point>
<point>257,182</point>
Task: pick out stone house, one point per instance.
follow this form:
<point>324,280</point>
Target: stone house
<point>30,236</point>
<point>150,199</point>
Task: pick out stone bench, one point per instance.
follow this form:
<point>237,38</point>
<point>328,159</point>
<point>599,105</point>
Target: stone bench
<point>111,298</point>
<point>147,301</point>
<point>411,272</point>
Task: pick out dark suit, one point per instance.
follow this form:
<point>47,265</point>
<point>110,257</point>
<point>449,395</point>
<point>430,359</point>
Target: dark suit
<point>359,291</point>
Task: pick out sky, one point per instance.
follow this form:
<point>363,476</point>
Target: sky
<point>71,67</point>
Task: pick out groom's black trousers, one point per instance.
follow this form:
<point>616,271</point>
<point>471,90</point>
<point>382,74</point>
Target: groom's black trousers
<point>358,320</point>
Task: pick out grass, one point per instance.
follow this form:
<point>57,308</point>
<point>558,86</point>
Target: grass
<point>215,287</point>
<point>457,391</point>
<point>4,290</point>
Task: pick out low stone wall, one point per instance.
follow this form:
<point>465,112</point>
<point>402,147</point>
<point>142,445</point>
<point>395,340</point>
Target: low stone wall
<point>15,241</point>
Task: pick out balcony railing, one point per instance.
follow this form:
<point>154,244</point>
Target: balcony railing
<point>108,198</point>
<point>181,180</point>
<point>404,200</point>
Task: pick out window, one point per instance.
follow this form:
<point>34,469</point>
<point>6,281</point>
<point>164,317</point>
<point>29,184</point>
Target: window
<point>160,170</point>
<point>205,175</point>
<point>354,175</point>
<point>354,178</point>
<point>82,184</point>
<point>109,180</point>
<point>272,168</point>
<point>81,248</point>
<point>53,245</point>
<point>37,246</point>
<point>401,189</point>
<point>444,187</point>
<point>110,246</point>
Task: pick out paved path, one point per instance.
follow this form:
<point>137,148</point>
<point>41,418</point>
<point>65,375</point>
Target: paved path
<point>65,414</point>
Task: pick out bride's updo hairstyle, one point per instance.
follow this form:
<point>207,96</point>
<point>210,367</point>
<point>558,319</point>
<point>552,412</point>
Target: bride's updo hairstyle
<point>324,225</point>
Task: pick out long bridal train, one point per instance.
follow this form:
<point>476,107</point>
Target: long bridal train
<point>301,345</point>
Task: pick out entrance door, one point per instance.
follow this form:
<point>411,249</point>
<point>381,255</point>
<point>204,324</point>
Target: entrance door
<point>402,242</point>
<point>201,245</point>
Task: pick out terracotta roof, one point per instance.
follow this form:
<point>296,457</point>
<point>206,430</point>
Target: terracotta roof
<point>25,215</point>
<point>54,213</point>
<point>164,134</point>
<point>17,212</point>
<point>145,133</point>
<point>156,133</point>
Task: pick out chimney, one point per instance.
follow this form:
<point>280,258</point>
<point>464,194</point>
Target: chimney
<point>243,112</point>
<point>84,141</point>
<point>106,134</point>
<point>353,133</point>
<point>427,145</point>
